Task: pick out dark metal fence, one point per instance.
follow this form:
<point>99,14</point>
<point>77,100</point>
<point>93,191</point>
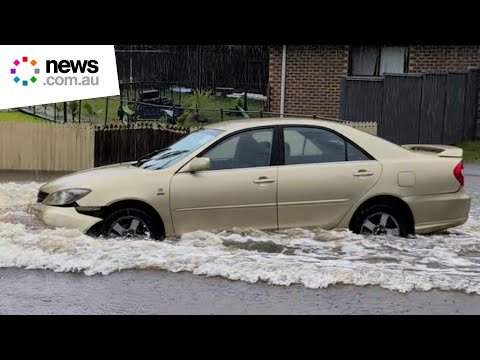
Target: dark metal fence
<point>196,66</point>
<point>414,108</point>
<point>116,143</point>
<point>103,111</point>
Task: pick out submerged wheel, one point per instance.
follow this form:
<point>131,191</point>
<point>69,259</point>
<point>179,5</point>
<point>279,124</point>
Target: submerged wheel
<point>380,220</point>
<point>130,223</point>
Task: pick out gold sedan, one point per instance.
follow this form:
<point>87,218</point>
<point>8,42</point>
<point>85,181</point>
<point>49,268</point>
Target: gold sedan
<point>266,174</point>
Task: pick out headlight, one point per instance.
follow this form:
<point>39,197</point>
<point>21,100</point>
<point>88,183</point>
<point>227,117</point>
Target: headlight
<point>65,197</point>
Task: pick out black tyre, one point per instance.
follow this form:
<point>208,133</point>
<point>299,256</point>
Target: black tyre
<point>131,223</point>
<point>380,220</point>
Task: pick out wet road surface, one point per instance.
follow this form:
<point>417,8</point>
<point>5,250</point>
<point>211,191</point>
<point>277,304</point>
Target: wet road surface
<point>161,292</point>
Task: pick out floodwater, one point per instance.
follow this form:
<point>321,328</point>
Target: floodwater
<point>296,260</point>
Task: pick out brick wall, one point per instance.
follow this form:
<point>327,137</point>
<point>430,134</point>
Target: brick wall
<point>443,57</point>
<point>312,81</point>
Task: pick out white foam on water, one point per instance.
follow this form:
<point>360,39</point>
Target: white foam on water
<point>314,258</point>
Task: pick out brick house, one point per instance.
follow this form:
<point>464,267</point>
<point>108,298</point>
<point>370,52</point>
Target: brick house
<point>312,72</point>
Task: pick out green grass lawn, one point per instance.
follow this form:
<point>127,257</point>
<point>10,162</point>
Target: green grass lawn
<point>471,151</point>
<point>216,103</point>
<point>98,104</point>
<point>212,106</point>
<point>212,109</point>
<point>19,116</point>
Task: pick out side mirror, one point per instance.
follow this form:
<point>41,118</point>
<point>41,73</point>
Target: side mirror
<point>199,164</point>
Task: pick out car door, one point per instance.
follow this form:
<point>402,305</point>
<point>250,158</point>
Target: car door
<point>323,176</point>
<point>239,190</point>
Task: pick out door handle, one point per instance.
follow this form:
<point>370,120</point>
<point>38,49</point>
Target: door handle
<point>363,173</point>
<point>263,180</point>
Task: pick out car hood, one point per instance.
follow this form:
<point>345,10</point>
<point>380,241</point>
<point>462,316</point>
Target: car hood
<point>95,178</point>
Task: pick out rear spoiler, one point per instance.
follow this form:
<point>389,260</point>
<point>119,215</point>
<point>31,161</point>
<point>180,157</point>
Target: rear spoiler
<point>439,150</point>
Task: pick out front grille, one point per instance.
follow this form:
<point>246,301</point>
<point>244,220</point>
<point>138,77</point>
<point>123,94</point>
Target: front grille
<point>41,196</point>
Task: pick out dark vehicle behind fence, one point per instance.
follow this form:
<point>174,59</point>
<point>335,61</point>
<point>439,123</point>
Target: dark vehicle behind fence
<point>152,106</point>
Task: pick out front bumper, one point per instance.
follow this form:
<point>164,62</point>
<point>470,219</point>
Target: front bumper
<point>64,217</point>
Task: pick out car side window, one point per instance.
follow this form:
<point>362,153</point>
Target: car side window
<point>247,149</point>
<point>308,145</point>
<point>354,154</point>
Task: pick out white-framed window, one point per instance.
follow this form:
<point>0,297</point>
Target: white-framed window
<point>377,60</point>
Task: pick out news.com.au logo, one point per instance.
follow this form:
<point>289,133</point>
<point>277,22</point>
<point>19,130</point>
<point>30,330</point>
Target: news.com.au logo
<point>34,69</point>
<point>29,71</point>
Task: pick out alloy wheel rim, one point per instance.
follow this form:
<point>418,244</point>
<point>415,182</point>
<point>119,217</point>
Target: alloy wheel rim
<point>129,227</point>
<point>380,223</point>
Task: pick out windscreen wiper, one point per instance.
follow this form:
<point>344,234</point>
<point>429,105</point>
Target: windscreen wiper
<point>149,155</point>
<point>167,155</point>
<point>173,153</point>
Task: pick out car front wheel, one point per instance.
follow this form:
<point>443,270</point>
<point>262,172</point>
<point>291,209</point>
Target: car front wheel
<point>130,223</point>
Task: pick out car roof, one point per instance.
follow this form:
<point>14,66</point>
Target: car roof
<point>234,125</point>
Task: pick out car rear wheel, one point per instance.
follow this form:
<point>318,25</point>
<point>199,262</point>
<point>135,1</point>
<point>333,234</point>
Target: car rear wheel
<point>130,223</point>
<point>380,220</point>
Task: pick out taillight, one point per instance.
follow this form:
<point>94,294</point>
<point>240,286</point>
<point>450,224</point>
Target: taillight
<point>458,173</point>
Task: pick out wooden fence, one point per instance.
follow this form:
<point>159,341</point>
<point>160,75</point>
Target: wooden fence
<point>116,144</point>
<point>55,147</point>
<point>368,127</point>
<point>44,146</point>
